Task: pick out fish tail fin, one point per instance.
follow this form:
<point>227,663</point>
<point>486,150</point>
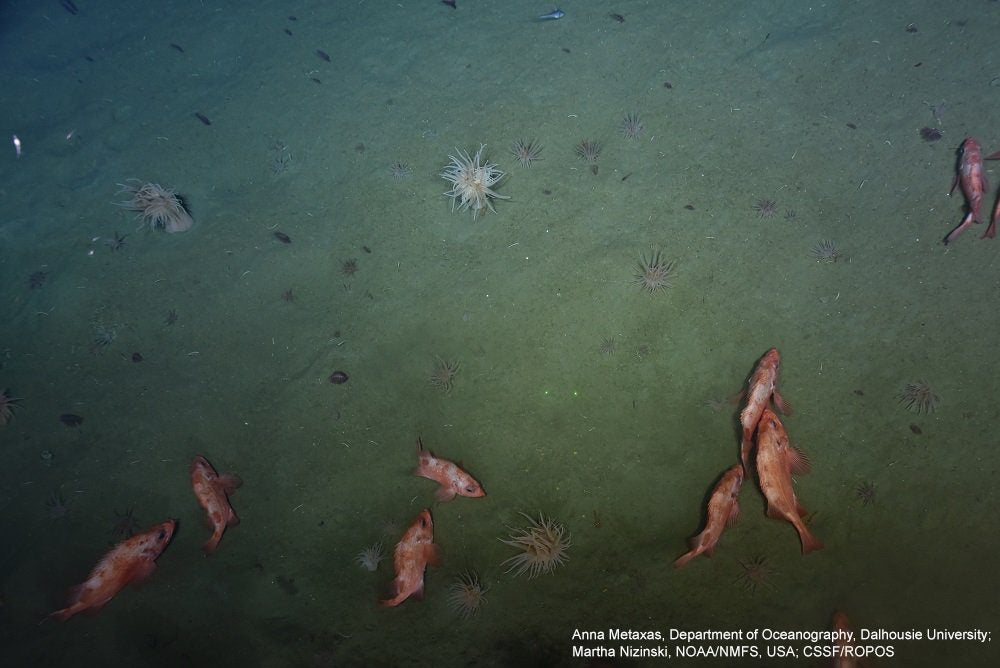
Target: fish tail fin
<point>423,460</point>
<point>810,543</point>
<point>966,222</point>
<point>683,560</point>
<point>211,544</point>
<point>63,615</point>
<point>394,596</point>
<point>72,604</point>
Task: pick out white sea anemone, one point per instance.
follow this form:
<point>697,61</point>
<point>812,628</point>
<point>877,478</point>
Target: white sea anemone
<point>163,208</point>
<point>370,557</point>
<point>472,182</point>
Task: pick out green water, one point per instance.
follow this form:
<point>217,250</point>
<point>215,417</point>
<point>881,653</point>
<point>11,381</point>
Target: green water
<point>817,108</point>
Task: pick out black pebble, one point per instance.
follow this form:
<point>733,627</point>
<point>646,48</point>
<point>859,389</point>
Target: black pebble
<point>71,420</point>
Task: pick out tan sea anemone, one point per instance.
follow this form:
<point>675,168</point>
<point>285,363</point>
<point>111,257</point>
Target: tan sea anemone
<point>543,545</point>
<point>467,595</point>
<point>162,208</point>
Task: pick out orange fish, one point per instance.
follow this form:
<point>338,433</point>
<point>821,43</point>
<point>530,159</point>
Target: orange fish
<point>776,461</point>
<point>452,479</point>
<point>133,560</point>
<point>413,552</point>
<point>991,231</point>
<point>213,492</point>
<point>723,511</point>
<point>973,182</point>
<point>845,654</point>
<point>761,389</point>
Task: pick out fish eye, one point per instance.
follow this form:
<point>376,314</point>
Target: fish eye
<point>163,534</point>
<point>469,489</point>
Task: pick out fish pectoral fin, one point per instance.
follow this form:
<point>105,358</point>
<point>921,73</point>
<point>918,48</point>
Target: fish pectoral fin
<point>230,483</point>
<point>62,615</point>
<point>141,572</point>
<point>781,404</point>
<point>734,514</point>
<point>233,519</point>
<point>433,554</point>
<point>444,494</point>
<point>798,461</point>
